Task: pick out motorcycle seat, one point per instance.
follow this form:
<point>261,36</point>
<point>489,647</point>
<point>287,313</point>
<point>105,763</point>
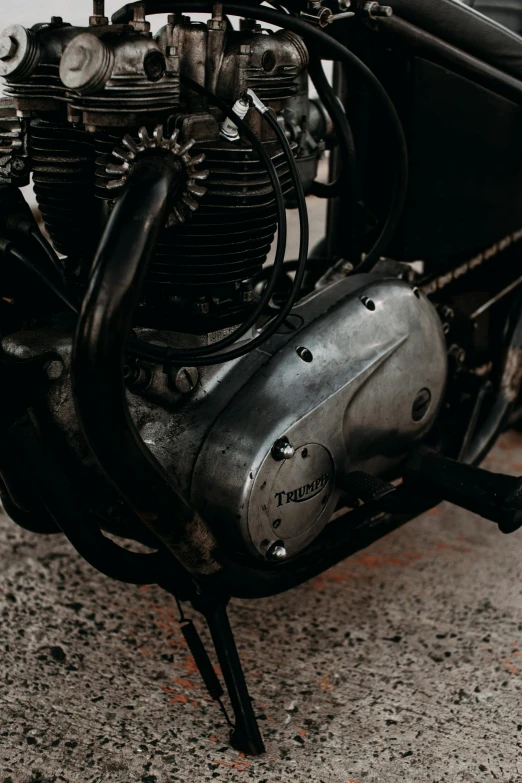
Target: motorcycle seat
<point>466,28</point>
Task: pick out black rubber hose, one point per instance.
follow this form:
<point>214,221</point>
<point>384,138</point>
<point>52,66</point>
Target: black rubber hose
<point>8,247</point>
<point>304,229</point>
<point>205,356</point>
<point>105,322</point>
<point>17,219</point>
<point>348,176</point>
<point>51,486</point>
<point>337,51</point>
<point>40,240</point>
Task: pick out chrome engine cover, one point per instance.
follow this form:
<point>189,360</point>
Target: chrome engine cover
<point>342,392</point>
<point>339,384</point>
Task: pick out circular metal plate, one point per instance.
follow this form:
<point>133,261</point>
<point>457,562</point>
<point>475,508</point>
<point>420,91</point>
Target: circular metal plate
<point>301,491</point>
<point>85,63</point>
<point>19,51</point>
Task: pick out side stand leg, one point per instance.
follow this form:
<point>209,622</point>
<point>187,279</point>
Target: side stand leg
<point>246,736</point>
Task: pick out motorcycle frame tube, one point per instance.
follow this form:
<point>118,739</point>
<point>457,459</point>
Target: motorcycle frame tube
<point>507,394</point>
<point>423,44</point>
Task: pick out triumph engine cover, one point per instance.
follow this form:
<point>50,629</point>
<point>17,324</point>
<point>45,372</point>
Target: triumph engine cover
<point>359,382</point>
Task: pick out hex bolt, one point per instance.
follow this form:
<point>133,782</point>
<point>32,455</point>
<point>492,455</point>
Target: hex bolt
<point>374,9</point>
<point>246,293</point>
<point>18,165</point>
<point>54,370</point>
<point>202,307</point>
<point>304,354</point>
<point>458,353</point>
<point>186,379</point>
<point>8,47</point>
<point>98,14</point>
<point>277,552</point>
<point>282,449</point>
<point>78,58</point>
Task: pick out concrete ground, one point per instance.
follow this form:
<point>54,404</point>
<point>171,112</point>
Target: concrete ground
<point>401,664</point>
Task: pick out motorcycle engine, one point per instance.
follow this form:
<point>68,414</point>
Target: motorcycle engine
<point>354,377</point>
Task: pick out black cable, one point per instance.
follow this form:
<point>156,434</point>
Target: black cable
<point>36,234</point>
<point>337,51</point>
<point>6,246</point>
<point>348,176</point>
<point>198,357</point>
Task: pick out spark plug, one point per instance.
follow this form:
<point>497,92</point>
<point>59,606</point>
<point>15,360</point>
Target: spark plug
<point>228,129</point>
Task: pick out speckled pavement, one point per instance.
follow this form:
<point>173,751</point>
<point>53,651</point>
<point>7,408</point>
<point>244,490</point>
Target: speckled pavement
<point>401,664</point>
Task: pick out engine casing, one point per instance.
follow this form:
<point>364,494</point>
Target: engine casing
<point>340,382</point>
<point>341,391</point>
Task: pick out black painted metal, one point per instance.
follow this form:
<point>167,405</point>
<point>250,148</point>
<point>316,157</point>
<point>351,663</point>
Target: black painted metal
<point>103,330</point>
<point>492,495</point>
<point>246,736</point>
<point>50,484</point>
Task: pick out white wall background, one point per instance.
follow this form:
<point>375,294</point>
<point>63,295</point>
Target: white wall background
<point>76,12</point>
<point>28,12</point>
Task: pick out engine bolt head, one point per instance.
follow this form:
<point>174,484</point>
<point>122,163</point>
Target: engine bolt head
<point>8,47</point>
<point>54,370</point>
<point>305,354</point>
<point>277,552</point>
<point>18,165</point>
<point>282,450</point>
<point>186,379</point>
<point>78,58</point>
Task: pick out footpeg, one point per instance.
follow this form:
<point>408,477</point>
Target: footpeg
<point>365,487</point>
<point>493,496</point>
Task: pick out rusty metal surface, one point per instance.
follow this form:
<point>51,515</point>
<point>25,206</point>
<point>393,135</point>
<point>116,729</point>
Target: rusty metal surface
<point>402,664</point>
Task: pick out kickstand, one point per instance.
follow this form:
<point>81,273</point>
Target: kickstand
<point>246,736</point>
